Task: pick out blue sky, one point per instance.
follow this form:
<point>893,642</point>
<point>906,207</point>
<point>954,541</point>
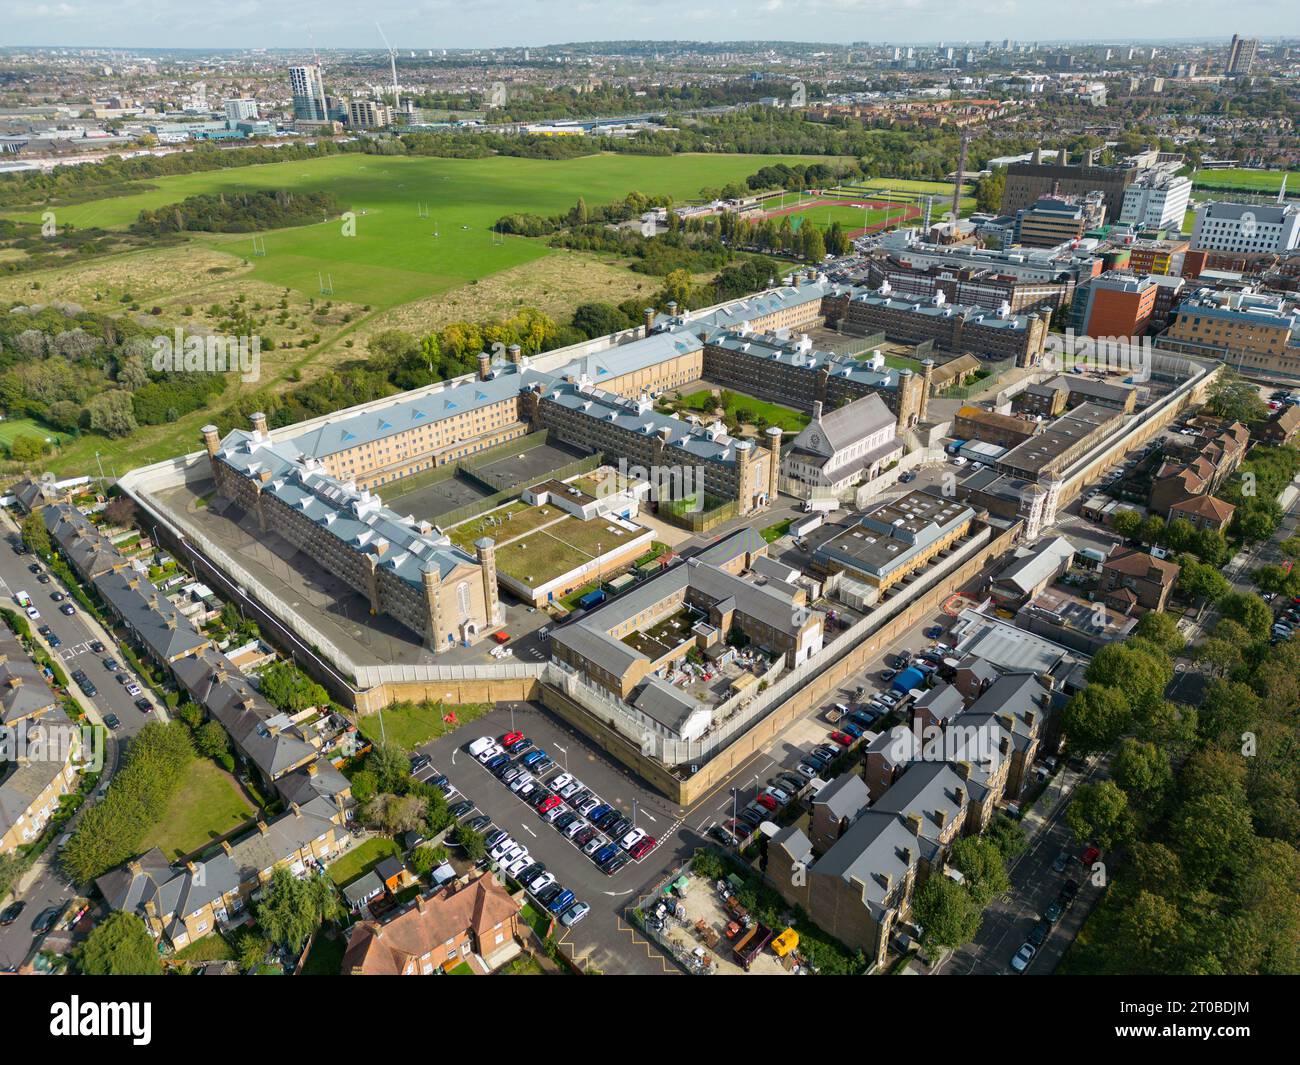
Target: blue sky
<point>488,23</point>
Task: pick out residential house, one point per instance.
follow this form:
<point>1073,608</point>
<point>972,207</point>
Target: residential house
<point>1132,578</point>
<point>836,807</point>
<point>436,933</point>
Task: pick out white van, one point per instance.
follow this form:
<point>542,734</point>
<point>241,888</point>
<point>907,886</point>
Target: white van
<point>480,745</point>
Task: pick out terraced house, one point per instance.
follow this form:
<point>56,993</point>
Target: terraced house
<point>184,902</point>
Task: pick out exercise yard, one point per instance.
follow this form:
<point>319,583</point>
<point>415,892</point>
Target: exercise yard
<point>551,552</point>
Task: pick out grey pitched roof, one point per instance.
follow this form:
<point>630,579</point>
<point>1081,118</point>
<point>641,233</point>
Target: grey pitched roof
<point>21,782</point>
<point>1044,560</point>
<point>259,730</point>
<point>942,701</point>
<point>666,704</point>
<point>929,790</point>
<point>877,851</point>
<point>91,552</point>
<point>164,630</point>
<point>23,688</point>
<point>845,796</point>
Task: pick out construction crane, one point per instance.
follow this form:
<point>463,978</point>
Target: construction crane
<point>392,62</point>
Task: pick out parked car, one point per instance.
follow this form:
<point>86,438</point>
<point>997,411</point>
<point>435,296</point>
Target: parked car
<point>479,823</point>
<point>1071,889</point>
<point>723,836</point>
<point>592,845</point>
<point>1053,912</point>
<point>585,835</point>
<point>842,738</point>
<point>767,802</point>
<point>561,902</point>
<point>460,809</point>
<point>420,762</point>
<point>112,721</point>
<point>1023,957</point>
<point>632,838</point>
<point>1039,933</point>
<point>144,706</point>
<point>604,853</point>
<point>614,864</point>
<point>562,781</point>
<point>639,850</point>
<point>574,914</point>
<point>541,882</point>
<point>12,912</point>
<point>1062,861</point>
<point>619,827</point>
<point>933,632</point>
<point>46,919</point>
<point>68,609</point>
<point>551,802</point>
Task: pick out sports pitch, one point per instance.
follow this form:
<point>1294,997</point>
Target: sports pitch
<point>423,224</point>
<point>857,217</point>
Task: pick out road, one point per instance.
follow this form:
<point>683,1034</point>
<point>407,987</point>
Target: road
<point>43,886</point>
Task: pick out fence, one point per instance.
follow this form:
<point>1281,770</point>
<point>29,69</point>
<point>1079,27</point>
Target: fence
<point>698,520</point>
<point>994,371</point>
<point>491,502</point>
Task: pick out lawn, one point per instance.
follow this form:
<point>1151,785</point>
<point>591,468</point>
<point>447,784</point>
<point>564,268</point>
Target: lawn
<point>509,523</point>
<point>205,807</point>
<point>853,220</point>
<point>326,957</point>
<point>12,428</point>
<point>361,859</point>
<point>539,558</point>
<point>538,920</point>
<point>397,256</point>
<point>411,724</point>
<point>1236,178</point>
<point>774,532</point>
<point>789,419</point>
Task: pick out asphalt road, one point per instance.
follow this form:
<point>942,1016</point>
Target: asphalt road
<point>48,888</point>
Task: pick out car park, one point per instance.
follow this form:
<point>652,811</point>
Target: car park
<point>1023,957</point>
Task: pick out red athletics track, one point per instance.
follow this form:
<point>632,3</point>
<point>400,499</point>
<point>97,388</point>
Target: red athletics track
<point>906,214</point>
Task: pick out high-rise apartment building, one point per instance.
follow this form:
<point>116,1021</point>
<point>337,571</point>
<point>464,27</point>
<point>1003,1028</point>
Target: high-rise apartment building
<point>308,94</point>
<point>241,109</point>
<point>1241,54</point>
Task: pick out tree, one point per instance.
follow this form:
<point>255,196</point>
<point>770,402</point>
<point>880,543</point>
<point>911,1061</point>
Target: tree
<point>947,912</point>
<point>289,688</point>
<point>1136,668</point>
<point>390,766</point>
<point>1234,398</point>
<point>396,814</point>
<point>1142,770</point>
<point>981,863</point>
<point>120,946</point>
<point>1007,836</point>
<point>472,842</point>
<point>989,190</point>
<point>1161,630</point>
<point>1099,812</point>
<point>1202,583</point>
<point>1213,835</point>
<point>120,510</point>
<point>1217,656</point>
<point>1095,718</point>
<point>599,319</point>
<point>1126,523</point>
<point>36,538</point>
<point>1249,611</point>
<point>292,909</point>
<point>112,413</point>
<point>11,868</point>
<point>26,448</point>
<point>211,740</point>
<point>364,786</point>
<point>250,949</point>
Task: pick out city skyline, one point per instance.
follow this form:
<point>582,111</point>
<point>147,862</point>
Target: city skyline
<point>331,24</point>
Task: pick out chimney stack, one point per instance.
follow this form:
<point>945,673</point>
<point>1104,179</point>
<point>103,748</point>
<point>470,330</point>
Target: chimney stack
<point>817,410</point>
<point>649,320</point>
<point>258,422</point>
<point>484,365</point>
<point>514,353</point>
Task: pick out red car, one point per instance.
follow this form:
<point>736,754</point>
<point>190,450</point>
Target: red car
<point>501,637</point>
<point>511,737</point>
<point>842,738</point>
<point>738,828</point>
<point>1090,855</point>
<point>640,850</point>
<point>549,804</point>
<point>766,802</point>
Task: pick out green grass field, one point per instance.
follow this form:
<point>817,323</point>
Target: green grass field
<point>789,419</point>
<point>411,724</point>
<point>851,219</point>
<point>12,428</point>
<point>395,256</point>
<point>1263,180</point>
<point>361,859</point>
<point>208,805</point>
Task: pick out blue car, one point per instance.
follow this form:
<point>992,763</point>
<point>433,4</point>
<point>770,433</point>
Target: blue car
<point>863,718</point>
<point>497,761</point>
<point>533,757</point>
<point>599,812</point>
<point>561,902</point>
<point>852,730</point>
<point>605,853</point>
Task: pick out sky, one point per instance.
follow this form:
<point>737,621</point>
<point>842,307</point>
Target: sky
<point>421,24</point>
